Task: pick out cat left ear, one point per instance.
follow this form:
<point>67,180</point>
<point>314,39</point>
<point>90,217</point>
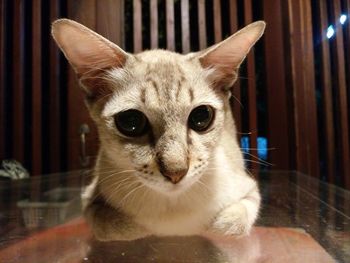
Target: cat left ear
<point>89,54</point>
<point>226,57</point>
<point>85,49</point>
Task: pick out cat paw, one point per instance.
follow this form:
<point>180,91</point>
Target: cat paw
<point>232,221</point>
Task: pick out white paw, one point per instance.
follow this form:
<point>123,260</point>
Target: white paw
<point>232,221</point>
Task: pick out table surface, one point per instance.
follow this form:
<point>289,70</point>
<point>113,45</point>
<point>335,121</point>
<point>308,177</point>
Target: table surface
<point>301,220</point>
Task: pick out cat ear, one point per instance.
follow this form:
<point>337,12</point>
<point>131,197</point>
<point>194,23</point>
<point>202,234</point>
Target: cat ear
<point>225,57</point>
<point>85,49</point>
<point>89,53</point>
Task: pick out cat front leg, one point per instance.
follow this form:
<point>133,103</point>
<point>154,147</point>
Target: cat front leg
<point>110,224</point>
<point>238,218</point>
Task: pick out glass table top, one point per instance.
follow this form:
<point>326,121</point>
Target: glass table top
<point>301,220</point>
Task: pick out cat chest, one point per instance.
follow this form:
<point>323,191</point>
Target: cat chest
<point>184,224</point>
<point>178,221</point>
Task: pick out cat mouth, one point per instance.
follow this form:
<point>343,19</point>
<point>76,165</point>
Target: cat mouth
<point>165,185</point>
<point>171,184</point>
<point>175,177</point>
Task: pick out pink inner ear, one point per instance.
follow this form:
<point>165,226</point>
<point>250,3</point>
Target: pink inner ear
<point>85,49</point>
<point>225,69</point>
<point>229,53</point>
<point>227,63</point>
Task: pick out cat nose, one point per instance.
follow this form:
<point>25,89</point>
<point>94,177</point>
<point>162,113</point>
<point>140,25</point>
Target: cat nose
<point>175,176</point>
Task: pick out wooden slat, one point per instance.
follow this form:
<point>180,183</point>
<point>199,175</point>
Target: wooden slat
<point>252,109</point>
<point>154,23</point>
<point>185,26</point>
<point>310,89</point>
<point>2,79</point>
<point>236,89</point>
<point>137,26</point>
<point>17,80</point>
<point>217,21</point>
<point>36,89</point>
<point>110,20</point>
<point>347,57</point>
<point>233,17</point>
<point>342,131</point>
<point>275,85</point>
<point>297,86</point>
<point>303,85</point>
<point>170,23</point>
<point>54,93</point>
<point>202,25</point>
<point>347,39</point>
<point>327,96</point>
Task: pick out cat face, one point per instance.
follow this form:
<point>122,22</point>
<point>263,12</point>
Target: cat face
<point>159,114</point>
<point>173,118</point>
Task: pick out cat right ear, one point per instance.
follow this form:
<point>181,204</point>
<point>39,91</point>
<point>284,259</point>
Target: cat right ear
<point>225,57</point>
<point>88,52</point>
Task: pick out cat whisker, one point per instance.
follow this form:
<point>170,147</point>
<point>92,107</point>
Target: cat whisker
<point>114,172</point>
<point>247,133</point>
<point>126,185</point>
<point>261,160</point>
<point>145,192</point>
<point>244,78</point>
<point>202,184</point>
<point>236,99</point>
<point>112,176</point>
<point>257,162</point>
<point>244,133</point>
<point>117,185</point>
<point>266,149</point>
<point>123,201</point>
<point>106,178</point>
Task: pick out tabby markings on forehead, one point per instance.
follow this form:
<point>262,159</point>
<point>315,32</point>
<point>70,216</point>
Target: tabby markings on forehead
<point>170,76</point>
<point>143,95</point>
<point>190,91</point>
<point>189,139</point>
<point>167,93</point>
<point>155,86</point>
<point>178,90</point>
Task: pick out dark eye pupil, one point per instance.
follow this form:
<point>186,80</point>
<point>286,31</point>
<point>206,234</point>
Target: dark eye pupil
<point>131,123</point>
<point>201,118</point>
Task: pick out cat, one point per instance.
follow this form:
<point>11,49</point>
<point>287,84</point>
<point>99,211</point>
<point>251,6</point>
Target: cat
<point>169,163</point>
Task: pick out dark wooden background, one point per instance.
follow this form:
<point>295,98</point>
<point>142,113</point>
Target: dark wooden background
<point>293,86</point>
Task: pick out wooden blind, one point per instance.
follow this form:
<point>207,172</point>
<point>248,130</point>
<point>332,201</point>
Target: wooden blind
<point>41,105</point>
<point>333,84</point>
<point>293,87</point>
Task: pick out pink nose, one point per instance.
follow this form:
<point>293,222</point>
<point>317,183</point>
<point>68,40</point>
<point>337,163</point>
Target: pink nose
<point>175,176</point>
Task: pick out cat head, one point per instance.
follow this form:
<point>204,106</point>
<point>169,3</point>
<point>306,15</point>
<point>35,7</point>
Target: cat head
<point>159,114</point>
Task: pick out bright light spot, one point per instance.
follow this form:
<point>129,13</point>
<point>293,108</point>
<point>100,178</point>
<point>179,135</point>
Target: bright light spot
<point>342,19</point>
<point>330,31</point>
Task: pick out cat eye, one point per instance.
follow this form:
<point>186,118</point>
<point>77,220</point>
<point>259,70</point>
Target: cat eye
<point>131,123</point>
<point>200,118</point>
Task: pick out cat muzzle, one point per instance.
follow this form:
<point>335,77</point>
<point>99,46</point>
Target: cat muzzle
<point>174,176</point>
